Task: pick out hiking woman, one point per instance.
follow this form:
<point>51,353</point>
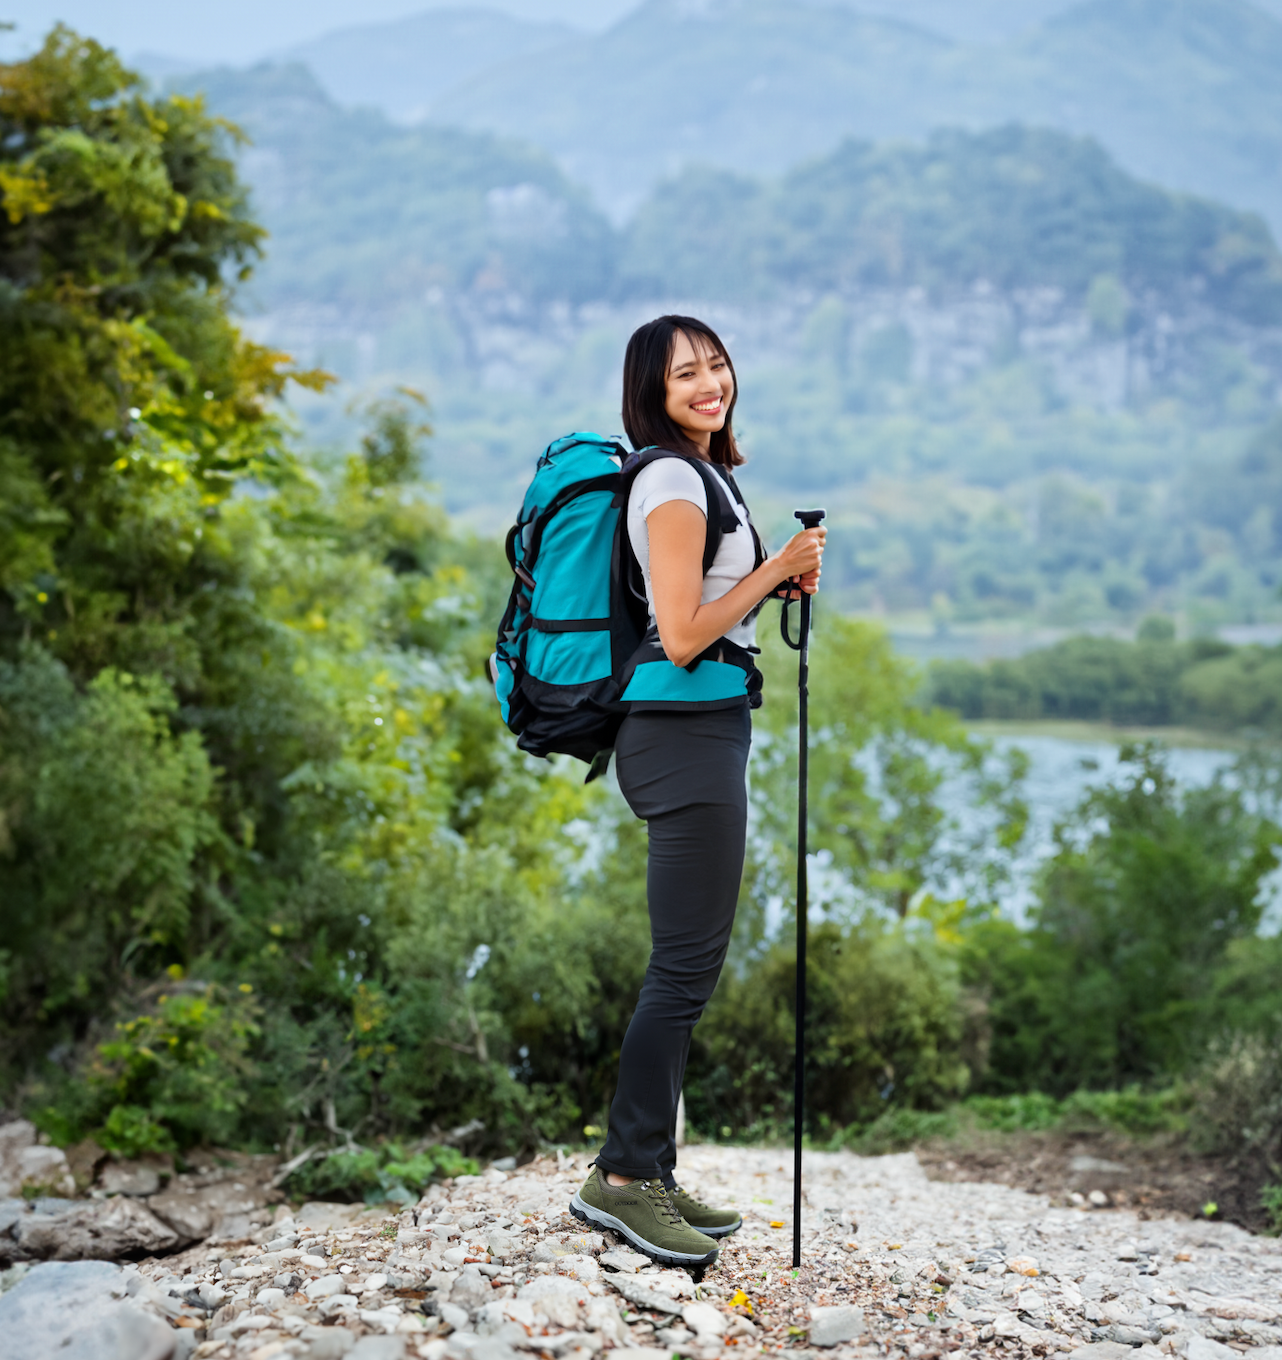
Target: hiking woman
<point>682,755</point>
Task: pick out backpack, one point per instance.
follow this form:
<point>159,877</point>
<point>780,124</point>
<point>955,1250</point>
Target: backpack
<point>575,651</point>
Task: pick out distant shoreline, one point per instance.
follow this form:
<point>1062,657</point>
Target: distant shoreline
<point>1084,731</point>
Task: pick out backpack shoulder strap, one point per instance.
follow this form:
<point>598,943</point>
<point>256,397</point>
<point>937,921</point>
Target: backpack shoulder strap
<point>724,521</point>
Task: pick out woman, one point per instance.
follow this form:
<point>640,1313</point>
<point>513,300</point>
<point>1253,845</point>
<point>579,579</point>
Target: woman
<point>681,764</point>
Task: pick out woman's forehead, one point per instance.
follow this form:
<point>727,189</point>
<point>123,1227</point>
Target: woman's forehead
<point>689,347</point>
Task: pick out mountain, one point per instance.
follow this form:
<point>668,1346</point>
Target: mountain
<point>403,67</point>
<point>1185,92</point>
<point>982,21</point>
<point>366,217</point>
<point>1014,208</point>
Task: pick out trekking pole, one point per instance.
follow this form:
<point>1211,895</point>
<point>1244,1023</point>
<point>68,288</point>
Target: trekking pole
<point>809,520</point>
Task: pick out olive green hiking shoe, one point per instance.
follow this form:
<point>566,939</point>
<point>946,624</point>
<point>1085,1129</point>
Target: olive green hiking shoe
<point>644,1213</point>
<point>709,1221</point>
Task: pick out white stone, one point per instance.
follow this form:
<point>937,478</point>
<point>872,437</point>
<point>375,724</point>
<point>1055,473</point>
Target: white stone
<point>704,1319</point>
<point>249,1322</point>
<point>325,1287</point>
<point>621,1259</point>
<point>454,1316</point>
<point>337,1303</point>
<point>547,1285</point>
<point>1203,1348</point>
<point>832,1326</point>
<point>270,1298</point>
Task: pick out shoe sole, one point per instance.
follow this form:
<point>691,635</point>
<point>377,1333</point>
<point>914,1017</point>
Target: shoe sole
<point>718,1232</point>
<point>587,1213</point>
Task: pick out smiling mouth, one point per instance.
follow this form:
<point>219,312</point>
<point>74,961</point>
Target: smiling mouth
<point>707,408</point>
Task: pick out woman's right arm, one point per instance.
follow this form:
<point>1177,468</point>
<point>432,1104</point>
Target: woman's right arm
<point>678,531</point>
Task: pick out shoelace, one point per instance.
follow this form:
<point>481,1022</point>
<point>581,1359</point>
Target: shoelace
<point>665,1200</point>
<point>698,1203</point>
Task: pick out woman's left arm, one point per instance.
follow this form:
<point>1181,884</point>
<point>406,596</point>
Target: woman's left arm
<point>678,531</point>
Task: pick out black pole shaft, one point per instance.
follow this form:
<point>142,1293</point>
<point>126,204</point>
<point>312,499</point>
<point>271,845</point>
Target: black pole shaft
<point>799,1066</point>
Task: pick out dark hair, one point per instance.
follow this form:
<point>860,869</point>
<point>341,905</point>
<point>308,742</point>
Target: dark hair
<point>645,390</point>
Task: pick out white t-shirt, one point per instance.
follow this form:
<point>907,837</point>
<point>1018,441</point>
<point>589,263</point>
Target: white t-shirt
<point>671,479</point>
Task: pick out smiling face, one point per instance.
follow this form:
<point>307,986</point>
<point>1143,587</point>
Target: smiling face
<point>700,388</point>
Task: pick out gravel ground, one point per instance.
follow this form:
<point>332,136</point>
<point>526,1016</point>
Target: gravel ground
<point>488,1267</point>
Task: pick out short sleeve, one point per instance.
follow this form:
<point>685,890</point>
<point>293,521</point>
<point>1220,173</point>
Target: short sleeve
<point>664,480</point>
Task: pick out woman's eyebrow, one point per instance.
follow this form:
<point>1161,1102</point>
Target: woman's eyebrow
<point>690,363</point>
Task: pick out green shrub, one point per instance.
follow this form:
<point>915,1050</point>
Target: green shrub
<point>900,1128</point>
<point>387,1173</point>
<point>1016,1113</point>
<point>885,1023</point>
<point>1131,1110</point>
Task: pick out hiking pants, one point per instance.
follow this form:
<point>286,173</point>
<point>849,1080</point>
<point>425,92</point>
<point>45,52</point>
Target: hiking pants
<point>685,774</point>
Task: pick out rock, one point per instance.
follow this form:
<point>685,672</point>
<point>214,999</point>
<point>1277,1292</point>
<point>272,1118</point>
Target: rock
<point>1099,1200</point>
<point>602,1315</point>
<point>378,1348</point>
<point>1126,1334</point>
<point>637,1294</point>
<point>621,1259</point>
<point>71,1310</point>
<point>138,1178</point>
<point>1104,1350</point>
<point>11,1210</point>
<point>26,1164</point>
<point>704,1319</point>
<point>93,1230</point>
<point>471,1289</point>
<point>455,1256</point>
<point>560,1310</point>
<point>1203,1348</point>
<point>584,1268</point>
<point>318,1216</point>
<point>550,1251</point>
<point>270,1297</point>
<point>1023,1265</point>
<point>455,1316</point>
<point>223,1201</point>
<point>325,1287</point>
<point>546,1285</point>
<point>337,1303</point>
<point>327,1343</point>
<point>832,1326</point>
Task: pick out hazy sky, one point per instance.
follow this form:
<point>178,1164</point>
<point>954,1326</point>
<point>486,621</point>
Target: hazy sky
<point>242,30</point>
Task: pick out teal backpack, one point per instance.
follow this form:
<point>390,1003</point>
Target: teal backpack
<point>575,652</point>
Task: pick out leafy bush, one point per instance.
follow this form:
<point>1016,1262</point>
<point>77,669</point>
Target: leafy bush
<point>900,1128</point>
<point>1140,904</point>
<point>1029,1113</point>
<point>1131,1110</point>
<point>377,1175</point>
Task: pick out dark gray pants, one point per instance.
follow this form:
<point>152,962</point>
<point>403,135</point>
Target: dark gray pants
<point>684,773</point>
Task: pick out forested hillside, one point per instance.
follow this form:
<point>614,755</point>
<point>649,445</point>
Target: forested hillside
<point>1029,385</point>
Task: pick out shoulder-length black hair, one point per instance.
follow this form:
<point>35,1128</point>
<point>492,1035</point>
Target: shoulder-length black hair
<point>645,390</point>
